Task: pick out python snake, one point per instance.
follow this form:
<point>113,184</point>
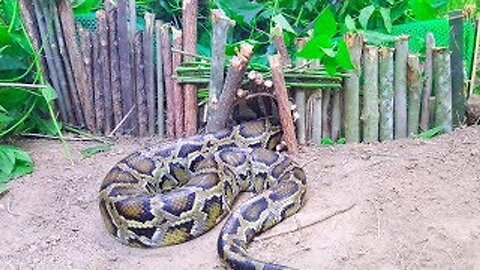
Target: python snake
<point>162,196</point>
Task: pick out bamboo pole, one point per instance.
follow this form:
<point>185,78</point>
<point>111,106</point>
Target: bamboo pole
<point>457,67</point>
<point>315,109</point>
<point>277,36</point>
<point>142,107</point>
<point>79,72</point>
<point>160,81</point>
<point>281,94</point>
<point>149,70</point>
<point>326,113</point>
<point>132,21</point>
<point>104,62</point>
<point>124,52</point>
<point>442,83</point>
<point>370,114</point>
<point>190,14</point>
<point>336,114</point>
<point>301,99</point>
<point>352,89</point>
<point>222,109</point>
<point>428,82</point>
<point>98,84</point>
<point>88,101</point>
<point>432,101</point>
<point>415,80</point>
<point>178,95</point>
<point>400,87</point>
<point>168,72</point>
<point>115,80</point>
<point>386,93</point>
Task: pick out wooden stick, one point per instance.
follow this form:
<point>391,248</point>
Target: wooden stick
<point>124,52</point>
<point>88,100</point>
<point>476,52</point>
<point>115,80</point>
<point>140,85</point>
<point>67,64</point>
<point>222,109</point>
<point>386,93</point>
<point>457,66</point>
<point>370,113</point>
<point>29,21</point>
<point>190,14</point>
<point>352,89</point>
<point>167,71</point>
<point>442,83</point>
<point>98,84</point>
<point>336,114</point>
<point>400,87</point>
<point>149,70</point>
<point>432,102</point>
<point>415,80</point>
<point>79,71</point>
<point>326,110</point>
<point>277,36</point>
<point>160,81</point>
<point>315,102</point>
<point>284,108</point>
<point>178,95</point>
<point>427,88</point>
<point>132,19</point>
<point>104,62</point>
<point>300,99</point>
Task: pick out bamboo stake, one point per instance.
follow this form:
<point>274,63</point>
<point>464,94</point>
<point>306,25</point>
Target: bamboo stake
<point>400,87</point>
<point>104,62</point>
<point>149,70</point>
<point>432,101</point>
<point>442,83</point>
<point>352,89</point>
<point>79,71</point>
<point>428,82</point>
<point>281,94</point>
<point>415,80</point>
<point>222,109</point>
<point>124,52</point>
<point>370,113</point>
<point>178,95</point>
<point>115,80</point>
<point>51,53</point>
<point>315,108</point>
<point>300,99</point>
<point>167,71</point>
<point>326,110</point>
<point>132,19</point>
<point>277,36</point>
<point>160,81</point>
<point>98,84</point>
<point>190,14</point>
<point>386,93</point>
<point>457,70</point>
<point>142,108</point>
<point>88,101</point>
<point>336,114</point>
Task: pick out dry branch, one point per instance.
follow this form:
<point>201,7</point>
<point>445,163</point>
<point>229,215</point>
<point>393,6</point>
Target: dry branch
<point>149,70</point>
<point>98,84</point>
<point>277,36</point>
<point>168,72</point>
<point>140,85</point>
<point>115,83</point>
<point>160,80</point>
<point>178,95</point>
<point>104,62</point>
<point>88,100</point>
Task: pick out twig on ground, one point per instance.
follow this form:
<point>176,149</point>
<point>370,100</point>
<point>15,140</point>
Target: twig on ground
<point>121,122</point>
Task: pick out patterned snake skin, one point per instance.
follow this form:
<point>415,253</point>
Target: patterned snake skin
<point>168,195</point>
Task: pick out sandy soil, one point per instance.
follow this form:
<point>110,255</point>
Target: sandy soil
<point>406,204</point>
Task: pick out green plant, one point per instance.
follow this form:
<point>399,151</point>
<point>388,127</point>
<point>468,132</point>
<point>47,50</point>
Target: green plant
<point>13,163</point>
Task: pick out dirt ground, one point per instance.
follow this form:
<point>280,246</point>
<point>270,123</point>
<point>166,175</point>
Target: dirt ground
<point>406,204</point>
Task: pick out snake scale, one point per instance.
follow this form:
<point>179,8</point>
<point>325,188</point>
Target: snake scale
<point>167,195</point>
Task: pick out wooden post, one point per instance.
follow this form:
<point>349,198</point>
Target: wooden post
<point>88,100</point>
<point>386,93</point>
<point>476,46</point>
<point>277,36</point>
<point>457,67</point>
<point>125,53</point>
<point>98,84</point>
<point>370,113</point>
<point>178,95</point>
<point>160,81</point>
<point>336,114</point>
<point>301,99</point>
<point>28,17</point>
<point>352,89</point>
<point>149,71</point>
<point>104,62</point>
<point>281,94</point>
<point>167,71</point>
<point>143,128</point>
<point>400,87</point>
<point>415,80</point>
<point>326,110</point>
<point>442,83</point>
<point>221,110</point>
<point>315,107</point>
<point>221,24</point>
<point>190,14</point>
<point>428,82</point>
<point>115,80</point>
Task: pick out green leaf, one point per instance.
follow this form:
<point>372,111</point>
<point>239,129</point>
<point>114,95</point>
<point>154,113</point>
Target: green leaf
<point>329,52</point>
<point>325,24</point>
<point>428,134</point>
<point>343,55</point>
<point>385,12</point>
<point>242,11</point>
<point>422,9</point>
<point>365,15</point>
<point>313,48</point>
<point>330,65</point>
<point>6,164</point>
<point>280,20</point>
<point>350,24</point>
<point>341,141</point>
<point>49,93</point>
<point>327,141</point>
<point>85,6</point>
<point>92,150</point>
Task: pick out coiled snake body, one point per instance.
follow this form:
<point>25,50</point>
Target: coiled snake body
<point>168,195</point>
